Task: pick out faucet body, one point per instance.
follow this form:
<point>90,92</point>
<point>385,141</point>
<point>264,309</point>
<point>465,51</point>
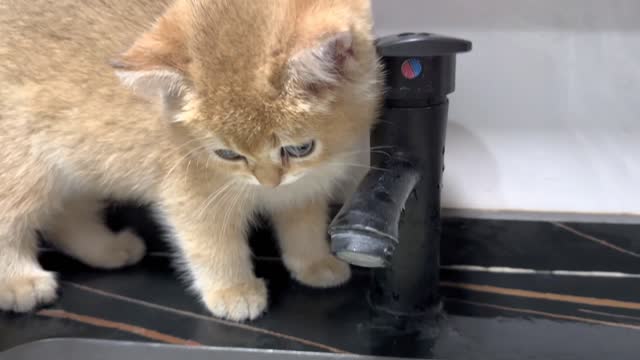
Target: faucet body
<point>409,285</point>
<point>392,222</point>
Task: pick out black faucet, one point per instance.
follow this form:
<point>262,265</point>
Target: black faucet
<point>392,222</point>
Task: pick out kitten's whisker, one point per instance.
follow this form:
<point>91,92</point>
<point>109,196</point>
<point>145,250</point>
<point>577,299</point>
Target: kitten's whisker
<point>245,198</point>
<point>187,143</point>
<point>382,147</point>
<point>228,198</point>
<point>220,216</point>
<point>187,172</point>
<point>381,153</point>
<point>179,161</point>
<point>358,166</point>
<point>373,150</point>
<point>211,198</point>
<point>231,209</point>
<point>365,150</point>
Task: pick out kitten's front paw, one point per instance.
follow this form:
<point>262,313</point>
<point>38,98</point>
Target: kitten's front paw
<point>118,250</point>
<point>326,273</point>
<point>241,302</point>
<point>22,293</point>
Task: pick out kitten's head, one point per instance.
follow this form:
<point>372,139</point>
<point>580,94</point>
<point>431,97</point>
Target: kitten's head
<point>267,91</point>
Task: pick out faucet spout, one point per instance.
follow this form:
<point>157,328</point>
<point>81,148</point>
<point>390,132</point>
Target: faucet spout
<point>365,232</point>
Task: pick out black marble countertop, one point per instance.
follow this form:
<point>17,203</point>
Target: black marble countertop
<point>513,290</point>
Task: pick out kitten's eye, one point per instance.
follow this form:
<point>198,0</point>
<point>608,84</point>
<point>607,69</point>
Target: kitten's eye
<point>300,151</point>
<point>229,155</point>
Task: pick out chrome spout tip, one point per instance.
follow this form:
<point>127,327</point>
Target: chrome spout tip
<point>362,260</point>
<point>361,249</point>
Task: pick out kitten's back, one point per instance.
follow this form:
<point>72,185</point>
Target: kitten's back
<point>45,39</point>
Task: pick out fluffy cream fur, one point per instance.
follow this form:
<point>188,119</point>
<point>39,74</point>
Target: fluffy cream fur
<point>203,75</point>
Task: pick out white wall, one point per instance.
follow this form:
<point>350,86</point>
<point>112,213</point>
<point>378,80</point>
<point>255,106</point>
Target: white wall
<point>546,116</point>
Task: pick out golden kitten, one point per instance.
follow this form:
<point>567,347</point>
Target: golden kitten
<point>230,107</point>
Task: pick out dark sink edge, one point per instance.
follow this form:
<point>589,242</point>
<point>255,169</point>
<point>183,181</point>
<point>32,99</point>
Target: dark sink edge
<point>122,350</point>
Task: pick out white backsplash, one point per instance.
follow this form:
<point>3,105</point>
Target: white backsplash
<point>546,116</point>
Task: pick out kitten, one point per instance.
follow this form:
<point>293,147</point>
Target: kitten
<point>233,107</point>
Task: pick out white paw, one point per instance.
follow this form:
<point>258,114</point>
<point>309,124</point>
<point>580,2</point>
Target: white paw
<point>22,293</point>
<point>325,273</point>
<point>245,301</point>
<point>119,250</point>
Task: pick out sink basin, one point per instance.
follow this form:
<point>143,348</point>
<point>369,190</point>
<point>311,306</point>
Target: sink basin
<point>81,349</point>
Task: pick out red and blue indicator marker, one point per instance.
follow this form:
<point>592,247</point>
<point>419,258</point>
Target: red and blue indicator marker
<point>411,68</point>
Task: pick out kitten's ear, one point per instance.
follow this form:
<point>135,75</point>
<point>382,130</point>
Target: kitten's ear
<point>156,63</point>
<point>326,65</point>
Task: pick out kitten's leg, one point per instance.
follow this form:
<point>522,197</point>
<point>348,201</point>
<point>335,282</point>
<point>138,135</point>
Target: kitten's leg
<point>79,231</point>
<point>23,282</point>
<point>216,251</point>
<point>302,232</point>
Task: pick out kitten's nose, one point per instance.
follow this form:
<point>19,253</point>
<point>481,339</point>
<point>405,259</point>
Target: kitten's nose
<point>270,176</point>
